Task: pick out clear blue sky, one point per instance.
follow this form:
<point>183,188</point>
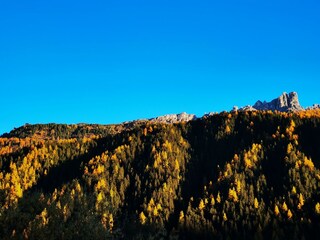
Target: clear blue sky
<point>112,61</point>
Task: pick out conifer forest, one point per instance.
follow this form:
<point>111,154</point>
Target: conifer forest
<point>232,175</point>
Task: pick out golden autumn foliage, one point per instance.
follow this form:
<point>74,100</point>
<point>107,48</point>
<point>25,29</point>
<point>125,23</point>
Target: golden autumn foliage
<point>142,218</point>
<point>317,208</point>
<point>301,201</point>
<point>218,198</point>
<point>284,207</point>
<point>226,174</point>
<point>212,201</point>
<point>233,195</point>
<point>256,203</point>
<point>181,216</point>
<point>201,205</point>
<point>224,217</point>
<point>276,210</point>
<point>228,129</point>
<point>308,163</point>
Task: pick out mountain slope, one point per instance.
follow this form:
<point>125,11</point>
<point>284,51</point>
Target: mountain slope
<point>239,175</point>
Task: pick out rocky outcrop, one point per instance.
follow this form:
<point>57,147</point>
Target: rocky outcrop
<point>174,118</point>
<point>248,108</point>
<point>285,103</point>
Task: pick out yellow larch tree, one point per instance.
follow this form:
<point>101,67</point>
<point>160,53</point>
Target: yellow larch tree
<point>276,210</point>
<point>256,203</point>
<point>201,205</point>
<point>142,218</point>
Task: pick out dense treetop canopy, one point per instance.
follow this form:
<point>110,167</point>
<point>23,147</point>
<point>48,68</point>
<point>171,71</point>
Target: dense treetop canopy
<point>229,175</point>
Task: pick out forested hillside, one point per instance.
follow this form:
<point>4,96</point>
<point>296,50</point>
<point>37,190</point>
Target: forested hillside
<point>243,175</point>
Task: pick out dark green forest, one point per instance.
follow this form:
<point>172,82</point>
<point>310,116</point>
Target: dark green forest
<point>237,175</point>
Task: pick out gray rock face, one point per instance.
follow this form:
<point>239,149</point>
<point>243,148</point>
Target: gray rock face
<point>285,103</point>
<point>174,118</point>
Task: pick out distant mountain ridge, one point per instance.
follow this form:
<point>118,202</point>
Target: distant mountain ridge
<point>285,103</point>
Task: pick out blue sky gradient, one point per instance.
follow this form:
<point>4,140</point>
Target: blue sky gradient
<point>113,61</point>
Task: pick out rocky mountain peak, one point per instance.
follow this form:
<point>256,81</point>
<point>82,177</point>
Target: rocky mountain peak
<point>286,102</point>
